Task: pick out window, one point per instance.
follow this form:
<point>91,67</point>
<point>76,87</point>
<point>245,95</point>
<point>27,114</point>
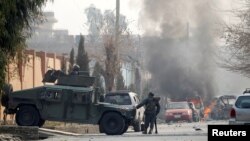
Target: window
<point>52,95</point>
<point>178,105</point>
<point>243,102</point>
<point>82,97</point>
<point>120,99</point>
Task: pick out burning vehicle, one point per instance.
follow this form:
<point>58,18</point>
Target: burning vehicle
<point>198,105</point>
<point>220,107</point>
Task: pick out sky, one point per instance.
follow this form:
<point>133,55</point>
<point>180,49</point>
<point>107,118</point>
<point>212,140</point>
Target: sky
<point>70,16</point>
<point>70,13</point>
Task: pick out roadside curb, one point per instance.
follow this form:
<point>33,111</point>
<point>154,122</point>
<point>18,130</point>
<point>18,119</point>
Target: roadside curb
<point>51,131</point>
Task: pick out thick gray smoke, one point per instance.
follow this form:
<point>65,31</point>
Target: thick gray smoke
<point>180,41</point>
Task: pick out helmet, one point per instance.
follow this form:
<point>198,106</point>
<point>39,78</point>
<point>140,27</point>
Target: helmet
<point>76,68</point>
<point>151,94</point>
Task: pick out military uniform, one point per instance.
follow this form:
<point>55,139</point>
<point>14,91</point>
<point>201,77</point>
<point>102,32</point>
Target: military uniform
<point>151,110</point>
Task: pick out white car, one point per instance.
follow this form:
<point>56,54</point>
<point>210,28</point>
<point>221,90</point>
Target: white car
<point>127,99</point>
<point>240,113</point>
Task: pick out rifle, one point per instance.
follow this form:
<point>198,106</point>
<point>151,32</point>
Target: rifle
<point>156,130</point>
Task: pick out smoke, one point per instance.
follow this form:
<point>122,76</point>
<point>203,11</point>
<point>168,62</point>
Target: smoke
<point>180,41</point>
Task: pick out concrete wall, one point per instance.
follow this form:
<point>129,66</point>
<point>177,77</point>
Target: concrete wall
<point>30,73</point>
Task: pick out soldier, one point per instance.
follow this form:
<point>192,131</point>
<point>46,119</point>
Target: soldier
<point>75,70</point>
<point>152,108</point>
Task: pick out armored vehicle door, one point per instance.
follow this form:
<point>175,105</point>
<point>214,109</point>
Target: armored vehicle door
<point>52,101</point>
<point>79,109</point>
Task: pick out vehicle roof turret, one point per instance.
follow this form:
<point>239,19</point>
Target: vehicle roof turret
<point>82,79</point>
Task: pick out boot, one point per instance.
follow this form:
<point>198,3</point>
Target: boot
<point>144,131</point>
<point>150,131</point>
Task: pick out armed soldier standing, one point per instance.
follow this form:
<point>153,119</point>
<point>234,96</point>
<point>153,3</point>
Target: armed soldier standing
<point>152,108</point>
<point>75,70</point>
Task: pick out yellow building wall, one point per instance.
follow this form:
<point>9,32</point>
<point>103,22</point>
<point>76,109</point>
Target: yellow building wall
<point>38,71</point>
<point>28,73</point>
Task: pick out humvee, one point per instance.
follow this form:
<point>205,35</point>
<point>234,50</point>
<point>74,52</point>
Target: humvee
<point>72,98</point>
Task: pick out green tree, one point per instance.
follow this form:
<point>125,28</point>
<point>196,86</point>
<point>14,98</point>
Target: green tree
<point>120,82</point>
<point>71,59</point>
<point>82,58</point>
<point>16,17</point>
<point>97,73</point>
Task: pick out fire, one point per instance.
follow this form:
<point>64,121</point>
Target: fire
<point>208,110</point>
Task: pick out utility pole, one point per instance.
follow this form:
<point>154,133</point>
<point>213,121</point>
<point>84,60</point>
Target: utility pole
<point>117,27</point>
<point>117,69</point>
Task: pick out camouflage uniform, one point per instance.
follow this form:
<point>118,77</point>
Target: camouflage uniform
<point>152,109</point>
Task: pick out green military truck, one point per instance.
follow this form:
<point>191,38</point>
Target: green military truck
<point>71,99</point>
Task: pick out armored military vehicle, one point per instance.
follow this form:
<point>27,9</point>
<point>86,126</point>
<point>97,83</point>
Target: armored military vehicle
<point>70,98</point>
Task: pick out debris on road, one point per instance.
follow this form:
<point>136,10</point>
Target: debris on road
<point>197,128</point>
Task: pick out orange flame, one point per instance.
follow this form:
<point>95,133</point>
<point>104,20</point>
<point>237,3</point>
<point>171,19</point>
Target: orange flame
<point>208,110</point>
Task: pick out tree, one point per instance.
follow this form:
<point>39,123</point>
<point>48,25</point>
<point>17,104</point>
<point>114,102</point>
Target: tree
<point>132,87</point>
<point>71,59</point>
<point>137,81</point>
<point>120,82</point>
<point>63,64</point>
<point>102,28</point>
<point>16,17</point>
<point>97,73</point>
<point>111,65</point>
<point>82,58</point>
<point>237,37</point>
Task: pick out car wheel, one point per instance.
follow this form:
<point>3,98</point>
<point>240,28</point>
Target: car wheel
<point>27,116</point>
<point>112,124</point>
<point>137,126</point>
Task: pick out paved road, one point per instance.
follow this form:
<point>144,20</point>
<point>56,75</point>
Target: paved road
<point>173,132</point>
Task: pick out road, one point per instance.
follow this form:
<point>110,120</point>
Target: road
<point>167,132</point>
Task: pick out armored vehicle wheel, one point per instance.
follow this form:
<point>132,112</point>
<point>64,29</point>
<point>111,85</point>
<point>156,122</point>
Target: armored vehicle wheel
<point>112,124</point>
<point>125,128</point>
<point>4,100</point>
<point>101,129</point>
<point>27,116</point>
<point>7,89</point>
<point>41,122</point>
